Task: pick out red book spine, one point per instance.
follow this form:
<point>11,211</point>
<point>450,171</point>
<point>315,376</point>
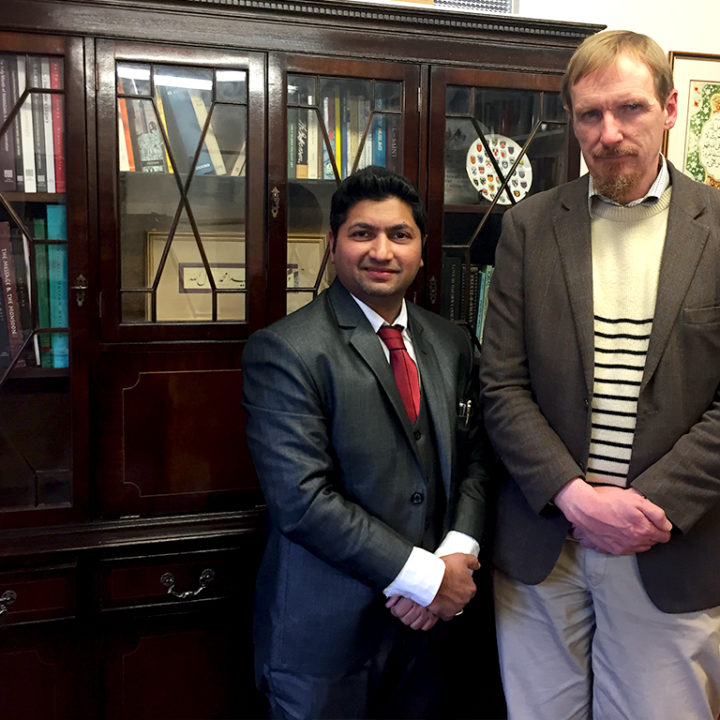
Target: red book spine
<point>58,124</point>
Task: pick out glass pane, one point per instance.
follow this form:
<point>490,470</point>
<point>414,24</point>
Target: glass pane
<point>335,126</point>
<point>186,273</point>
<point>388,96</point>
<point>231,86</point>
<point>500,146</point>
<point>35,421</point>
<point>182,198</point>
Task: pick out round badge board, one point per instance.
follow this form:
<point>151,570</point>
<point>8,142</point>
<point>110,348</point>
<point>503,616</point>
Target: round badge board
<point>483,175</point>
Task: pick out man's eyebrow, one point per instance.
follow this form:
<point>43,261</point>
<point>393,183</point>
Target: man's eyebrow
<point>370,226</point>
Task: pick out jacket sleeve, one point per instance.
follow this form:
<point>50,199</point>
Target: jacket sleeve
<point>288,433</point>
<point>475,456</point>
<point>532,451</point>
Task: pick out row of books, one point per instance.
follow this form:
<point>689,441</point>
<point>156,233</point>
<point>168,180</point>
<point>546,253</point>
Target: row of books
<point>184,113</point>
<point>32,154</point>
<point>50,292</point>
<point>464,292</point>
<point>357,138</point>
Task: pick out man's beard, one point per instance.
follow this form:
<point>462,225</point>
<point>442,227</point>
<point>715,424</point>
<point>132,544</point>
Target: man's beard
<point>615,187</point>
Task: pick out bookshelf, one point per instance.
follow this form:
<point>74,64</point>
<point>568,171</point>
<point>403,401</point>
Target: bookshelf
<point>198,166</point>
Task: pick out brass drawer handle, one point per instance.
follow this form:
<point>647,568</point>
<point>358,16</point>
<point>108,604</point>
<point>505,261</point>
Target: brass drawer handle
<point>7,599</point>
<point>168,580</point>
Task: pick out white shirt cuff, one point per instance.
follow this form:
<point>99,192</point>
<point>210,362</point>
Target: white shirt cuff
<point>458,542</point>
<point>420,578</point>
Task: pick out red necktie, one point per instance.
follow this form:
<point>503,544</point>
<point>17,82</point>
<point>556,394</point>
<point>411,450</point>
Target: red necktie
<point>404,369</point>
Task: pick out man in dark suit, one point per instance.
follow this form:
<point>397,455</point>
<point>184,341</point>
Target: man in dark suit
<point>371,493</point>
<point>600,374</point>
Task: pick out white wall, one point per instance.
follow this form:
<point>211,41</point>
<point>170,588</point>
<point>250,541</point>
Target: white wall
<point>680,25</point>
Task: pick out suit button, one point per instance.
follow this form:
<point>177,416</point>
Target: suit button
<point>416,498</point>
<point>417,434</point>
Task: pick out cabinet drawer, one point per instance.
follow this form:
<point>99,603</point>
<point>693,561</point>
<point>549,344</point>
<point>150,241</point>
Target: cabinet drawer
<point>40,593</point>
<point>171,579</point>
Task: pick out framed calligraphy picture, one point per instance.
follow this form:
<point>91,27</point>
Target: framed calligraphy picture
<point>180,279</point>
<point>693,145</point>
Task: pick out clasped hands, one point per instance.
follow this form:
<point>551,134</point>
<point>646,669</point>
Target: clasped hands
<point>456,590</point>
<point>612,520</point>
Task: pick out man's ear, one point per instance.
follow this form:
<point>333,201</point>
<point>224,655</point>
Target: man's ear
<point>331,245</point>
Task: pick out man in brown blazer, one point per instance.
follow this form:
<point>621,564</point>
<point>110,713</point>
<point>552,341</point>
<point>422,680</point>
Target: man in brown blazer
<point>600,373</point>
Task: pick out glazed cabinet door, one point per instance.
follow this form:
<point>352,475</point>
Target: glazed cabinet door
<point>181,138</point>
<point>495,138</point>
<point>326,120</point>
<point>44,274</point>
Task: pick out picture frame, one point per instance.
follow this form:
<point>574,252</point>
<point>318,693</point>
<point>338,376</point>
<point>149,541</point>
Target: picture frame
<point>306,275</point>
<point>693,144</point>
<point>183,292</point>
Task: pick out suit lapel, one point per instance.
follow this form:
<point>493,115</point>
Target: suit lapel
<point>441,412</point>
<point>684,243</point>
<point>572,235</point>
<point>365,342</point>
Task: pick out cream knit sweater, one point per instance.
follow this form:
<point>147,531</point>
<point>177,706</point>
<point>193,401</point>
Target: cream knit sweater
<point>627,245</point>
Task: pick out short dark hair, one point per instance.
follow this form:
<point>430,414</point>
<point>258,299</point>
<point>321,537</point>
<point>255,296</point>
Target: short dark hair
<point>375,183</point>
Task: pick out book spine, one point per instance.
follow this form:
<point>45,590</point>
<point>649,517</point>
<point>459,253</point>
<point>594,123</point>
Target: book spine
<point>126,155</point>
<point>16,126</point>
<point>47,115</point>
<point>329,153</point>
<point>57,292</point>
<point>367,150</point>
<point>238,167</point>
<point>379,137</point>
<point>314,157</point>
<point>42,291</point>
<point>451,283</point>
<point>211,143</point>
<point>474,286</point>
<point>58,124</point>
<point>301,147</point>
<point>482,300</point>
<point>5,357</point>
<point>21,260</point>
<point>184,125</point>
<point>163,122</point>
<point>7,141</point>
<point>338,133</point>
<point>56,228</point>
<point>292,123</point>
<point>9,289</point>
<point>345,133</point>
<point>34,76</point>
<point>353,131</point>
<point>150,142</point>
<point>394,161</point>
<point>25,121</point>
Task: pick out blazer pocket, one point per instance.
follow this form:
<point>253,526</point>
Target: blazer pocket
<point>701,315</point>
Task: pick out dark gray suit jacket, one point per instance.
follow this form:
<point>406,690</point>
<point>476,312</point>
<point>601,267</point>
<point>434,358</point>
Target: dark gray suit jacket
<point>337,462</point>
<point>537,376</point>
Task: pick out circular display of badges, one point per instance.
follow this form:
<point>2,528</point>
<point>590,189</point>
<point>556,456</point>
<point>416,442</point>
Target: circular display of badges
<point>483,175</point>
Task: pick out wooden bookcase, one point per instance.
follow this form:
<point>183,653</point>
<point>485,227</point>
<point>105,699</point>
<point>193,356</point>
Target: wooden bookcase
<point>131,521</point>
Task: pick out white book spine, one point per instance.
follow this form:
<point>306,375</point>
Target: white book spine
<point>48,125</point>
<point>26,131</point>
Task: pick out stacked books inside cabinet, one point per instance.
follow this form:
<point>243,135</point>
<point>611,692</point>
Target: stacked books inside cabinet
<point>31,303</point>
<point>179,128</point>
<point>464,292</point>
<point>357,135</point>
<point>32,155</point>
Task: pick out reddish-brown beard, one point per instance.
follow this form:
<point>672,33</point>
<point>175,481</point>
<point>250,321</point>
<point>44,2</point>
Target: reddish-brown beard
<point>615,187</point>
